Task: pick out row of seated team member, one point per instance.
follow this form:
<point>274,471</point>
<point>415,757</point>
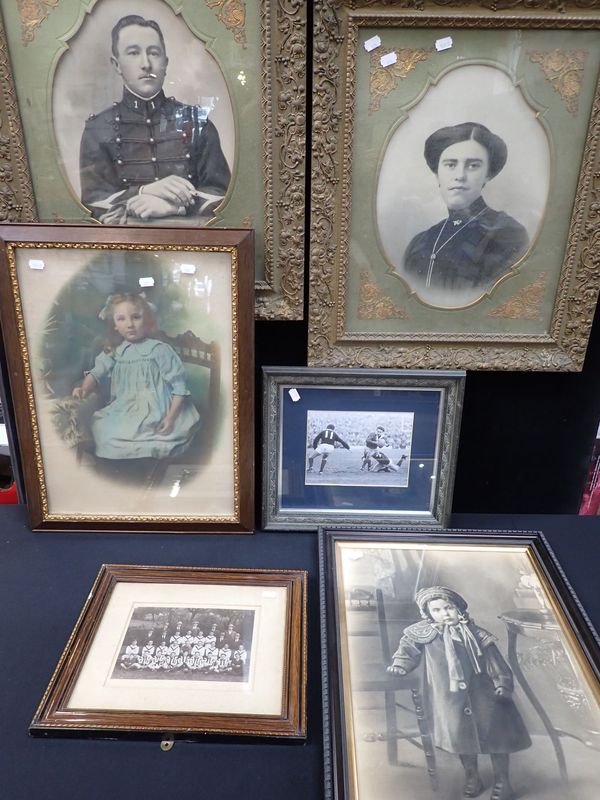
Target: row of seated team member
<point>201,655</point>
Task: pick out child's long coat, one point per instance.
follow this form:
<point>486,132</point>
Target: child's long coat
<point>473,719</point>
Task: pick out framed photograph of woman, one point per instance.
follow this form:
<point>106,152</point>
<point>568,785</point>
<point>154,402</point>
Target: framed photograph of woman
<point>457,178</point>
<point>456,664</point>
<point>156,112</point>
<point>184,651</point>
<point>359,447</point>
<point>133,403</point>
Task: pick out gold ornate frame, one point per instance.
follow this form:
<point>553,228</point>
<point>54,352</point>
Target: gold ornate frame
<point>33,420</point>
<point>281,95</point>
<point>331,341</point>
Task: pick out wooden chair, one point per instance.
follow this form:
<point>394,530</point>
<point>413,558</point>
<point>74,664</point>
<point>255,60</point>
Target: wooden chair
<point>390,685</point>
<point>193,350</point>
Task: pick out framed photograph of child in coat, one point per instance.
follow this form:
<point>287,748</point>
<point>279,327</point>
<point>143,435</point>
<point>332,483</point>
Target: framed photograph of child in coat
<point>347,447</point>
<point>456,664</point>
<point>186,651</point>
<point>133,402</point>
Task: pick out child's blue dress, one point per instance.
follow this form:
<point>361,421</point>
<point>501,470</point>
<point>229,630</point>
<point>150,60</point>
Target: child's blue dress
<point>144,376</point>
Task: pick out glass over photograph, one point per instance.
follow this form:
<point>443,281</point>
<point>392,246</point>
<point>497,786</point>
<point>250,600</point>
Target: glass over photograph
<point>143,138</point>
<point>213,644</point>
<point>461,677</point>
<point>376,444</point>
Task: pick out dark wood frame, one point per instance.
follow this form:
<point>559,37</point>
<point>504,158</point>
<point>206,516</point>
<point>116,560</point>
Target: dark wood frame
<point>238,241</point>
<point>54,715</point>
<point>557,586</point>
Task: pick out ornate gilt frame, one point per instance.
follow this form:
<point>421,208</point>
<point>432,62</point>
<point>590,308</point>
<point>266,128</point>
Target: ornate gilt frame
<point>33,415</point>
<point>279,292</point>
<point>562,346</point>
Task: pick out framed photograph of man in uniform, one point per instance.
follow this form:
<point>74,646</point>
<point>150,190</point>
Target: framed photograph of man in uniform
<point>455,664</point>
<point>461,195</point>
<point>184,651</point>
<point>359,447</point>
<point>130,391</point>
<point>155,112</point>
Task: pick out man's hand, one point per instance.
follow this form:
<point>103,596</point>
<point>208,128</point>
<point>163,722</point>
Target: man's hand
<point>396,670</point>
<point>116,216</point>
<point>173,189</point>
<point>148,206</point>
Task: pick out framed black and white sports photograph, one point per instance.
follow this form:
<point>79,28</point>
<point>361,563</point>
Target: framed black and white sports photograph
<point>184,650</point>
<point>364,447</point>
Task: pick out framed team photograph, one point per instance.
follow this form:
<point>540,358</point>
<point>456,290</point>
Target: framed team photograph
<point>455,213</point>
<point>160,112</point>
<point>132,398</point>
<point>359,447</point>
<point>184,650</point>
<point>455,664</point>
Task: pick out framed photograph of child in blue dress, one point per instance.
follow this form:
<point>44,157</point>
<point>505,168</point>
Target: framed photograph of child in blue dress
<point>455,664</point>
<point>184,650</point>
<point>359,447</point>
<point>132,402</point>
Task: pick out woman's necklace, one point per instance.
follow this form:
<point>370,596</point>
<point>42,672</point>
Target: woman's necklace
<point>434,252</point>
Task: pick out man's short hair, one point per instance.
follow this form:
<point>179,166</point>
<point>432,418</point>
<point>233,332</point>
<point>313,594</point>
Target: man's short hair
<point>380,428</point>
<point>444,137</point>
<point>133,19</point>
<point>331,427</point>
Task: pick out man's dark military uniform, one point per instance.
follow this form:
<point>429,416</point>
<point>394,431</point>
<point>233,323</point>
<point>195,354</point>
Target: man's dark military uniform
<point>140,141</point>
<point>476,255</point>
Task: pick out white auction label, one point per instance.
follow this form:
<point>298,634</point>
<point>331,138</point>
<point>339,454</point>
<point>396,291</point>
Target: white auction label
<point>443,44</point>
<point>188,269</point>
<point>294,394</point>
<point>388,59</point>
<point>372,43</point>
<point>146,281</point>
<point>36,263</point>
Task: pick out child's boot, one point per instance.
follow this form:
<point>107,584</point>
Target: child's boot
<point>473,786</point>
<point>502,789</point>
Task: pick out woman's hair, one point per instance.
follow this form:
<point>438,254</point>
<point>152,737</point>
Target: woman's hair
<point>444,137</point>
<point>113,339</point>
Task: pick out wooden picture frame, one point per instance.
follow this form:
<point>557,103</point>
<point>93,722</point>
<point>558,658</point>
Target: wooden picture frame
<point>407,268</point>
<point>346,447</point>
<point>126,431</point>
<point>239,65</point>
<point>383,729</point>
<point>114,678</point>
